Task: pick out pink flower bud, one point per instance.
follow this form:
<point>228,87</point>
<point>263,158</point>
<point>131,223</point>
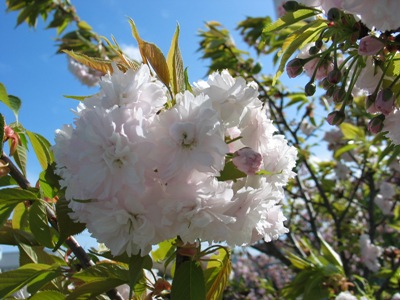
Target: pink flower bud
<point>336,117</point>
<point>334,76</point>
<point>385,101</point>
<point>13,136</point>
<point>294,67</point>
<point>375,125</point>
<point>370,45</point>
<point>370,104</point>
<point>247,160</point>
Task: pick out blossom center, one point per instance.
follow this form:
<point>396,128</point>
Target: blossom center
<point>183,133</point>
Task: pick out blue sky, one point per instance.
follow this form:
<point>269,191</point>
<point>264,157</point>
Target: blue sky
<point>30,69</point>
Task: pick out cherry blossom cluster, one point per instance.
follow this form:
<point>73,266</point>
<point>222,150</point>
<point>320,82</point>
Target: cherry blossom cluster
<point>84,74</point>
<point>140,167</point>
<point>357,65</point>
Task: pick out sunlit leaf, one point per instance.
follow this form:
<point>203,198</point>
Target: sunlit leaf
<point>95,63</point>
<point>288,19</point>
<point>79,98</point>
<point>85,26</point>
<point>42,149</point>
<point>175,65</point>
<point>331,255</point>
<point>152,55</point>
<point>47,295</point>
<point>217,275</point>
<point>297,40</point>
<point>165,249</point>
<point>297,261</point>
<point>345,149</point>
<point>352,132</point>
<point>15,280</point>
<point>12,102</point>
<point>20,217</point>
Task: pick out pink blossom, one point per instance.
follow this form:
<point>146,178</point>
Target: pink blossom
<point>375,125</point>
<point>294,68</point>
<point>379,14</point>
<point>392,126</point>
<point>385,101</point>
<point>335,118</point>
<point>247,160</point>
<point>324,67</point>
<point>370,253</point>
<point>84,74</point>
<point>369,76</point>
<point>370,45</point>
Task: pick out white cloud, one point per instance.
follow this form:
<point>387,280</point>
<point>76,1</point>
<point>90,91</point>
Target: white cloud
<point>132,51</point>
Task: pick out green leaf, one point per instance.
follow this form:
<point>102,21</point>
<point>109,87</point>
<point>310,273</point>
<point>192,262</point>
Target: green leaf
<point>5,212</point>
<point>9,198</point>
<point>188,282</point>
<point>140,288</point>
<point>85,26</point>
<point>13,237</point>
<point>95,63</point>
<point>49,182</point>
<point>14,280</point>
<point>345,149</point>
<point>37,254</point>
<point>314,289</point>
<point>298,262</point>
<point>331,255</point>
<point>102,271</point>
<point>175,65</point>
<point>79,98</point>
<point>21,157</point>
<point>136,265</point>
<point>20,217</point>
<point>352,132</point>
<point>296,98</point>
<point>66,226</point>
<point>165,249</point>
<point>288,19</point>
<point>7,181</point>
<point>152,55</point>
<point>43,279</point>
<point>12,102</point>
<point>47,295</point>
<point>230,172</point>
<point>39,224</point>
<point>42,149</point>
<point>16,195</point>
<point>296,41</point>
<point>94,288</point>
<point>217,275</point>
